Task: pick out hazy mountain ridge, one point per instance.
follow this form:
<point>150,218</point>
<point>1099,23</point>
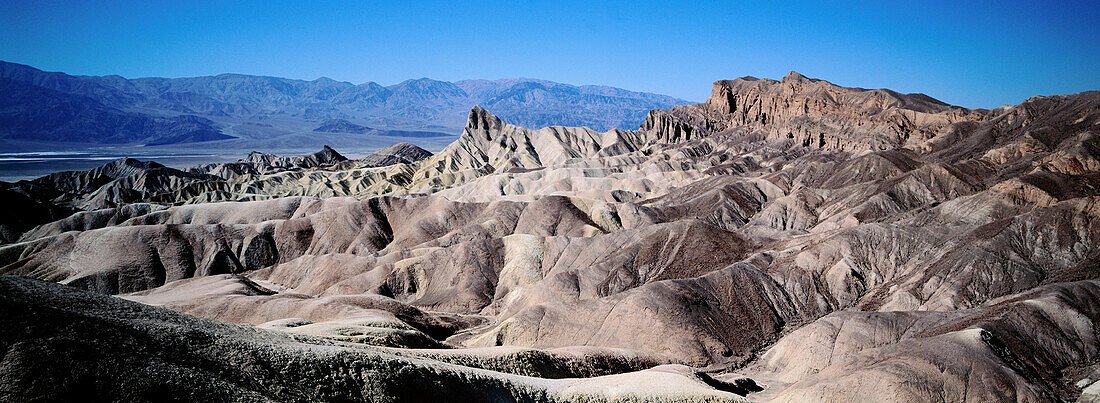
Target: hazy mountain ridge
<point>415,104</point>
<point>29,112</point>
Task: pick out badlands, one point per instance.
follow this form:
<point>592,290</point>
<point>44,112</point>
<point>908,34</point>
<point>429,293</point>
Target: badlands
<point>788,240</point>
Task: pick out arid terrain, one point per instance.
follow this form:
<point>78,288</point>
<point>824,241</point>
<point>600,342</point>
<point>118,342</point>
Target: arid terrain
<point>788,240</point>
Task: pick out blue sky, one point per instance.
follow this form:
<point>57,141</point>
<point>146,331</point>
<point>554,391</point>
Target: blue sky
<point>975,54</point>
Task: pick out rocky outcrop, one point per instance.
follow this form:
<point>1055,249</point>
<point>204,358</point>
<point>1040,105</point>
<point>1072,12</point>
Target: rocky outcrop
<point>814,114</point>
<point>112,185</point>
<point>257,163</point>
<point>400,153</point>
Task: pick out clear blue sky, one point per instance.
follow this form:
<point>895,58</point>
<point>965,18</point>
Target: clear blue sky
<point>975,54</point>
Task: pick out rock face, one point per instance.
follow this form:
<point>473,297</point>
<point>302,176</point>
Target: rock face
<point>257,163</point>
<point>114,184</point>
<point>795,240</point>
<point>1003,343</point>
<point>816,114</point>
<point>400,153</point>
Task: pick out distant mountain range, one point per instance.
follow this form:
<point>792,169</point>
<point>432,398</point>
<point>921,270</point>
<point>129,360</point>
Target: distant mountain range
<point>29,112</point>
<point>57,107</point>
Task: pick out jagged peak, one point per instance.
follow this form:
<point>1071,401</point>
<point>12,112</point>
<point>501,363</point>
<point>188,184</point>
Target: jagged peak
<point>328,154</point>
<point>794,76</point>
<point>480,118</point>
